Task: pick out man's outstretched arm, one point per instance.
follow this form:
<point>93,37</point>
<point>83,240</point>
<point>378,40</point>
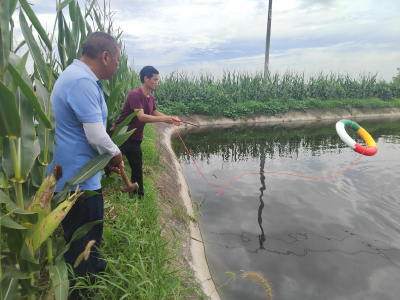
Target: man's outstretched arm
<point>156,117</point>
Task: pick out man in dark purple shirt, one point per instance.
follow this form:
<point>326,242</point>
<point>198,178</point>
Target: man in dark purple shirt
<point>141,99</point>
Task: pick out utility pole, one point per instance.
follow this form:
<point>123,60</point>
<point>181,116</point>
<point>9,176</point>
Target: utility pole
<point>266,65</point>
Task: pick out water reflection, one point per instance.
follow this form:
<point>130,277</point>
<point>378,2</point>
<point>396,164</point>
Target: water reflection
<point>328,239</point>
<point>261,237</point>
<point>238,143</point>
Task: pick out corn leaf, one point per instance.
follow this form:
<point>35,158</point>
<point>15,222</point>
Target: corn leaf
<point>90,8</point>
<point>119,35</point>
<point>10,206</point>
<point>7,222</point>
<point>87,171</point>
<point>36,74</point>
<point>112,99</point>
<point>69,42</point>
<point>9,282</point>
<point>125,122</point>
<point>121,138</point>
<point>8,166</point>
<point>9,285</point>
<point>26,143</point>
<point>71,8</point>
<point>75,29</point>
<point>59,280</point>
<point>81,23</point>
<point>19,46</point>
<point>28,92</point>
<point>19,64</point>
<point>107,181</point>
<point>64,4</point>
<point>10,121</point>
<point>36,23</point>
<point>44,133</point>
<point>34,49</point>
<point>79,233</point>
<point>98,22</point>
<point>36,174</point>
<point>13,5</point>
<point>61,39</point>
<point>27,288</point>
<point>4,35</point>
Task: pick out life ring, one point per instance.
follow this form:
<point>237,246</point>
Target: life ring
<point>340,129</point>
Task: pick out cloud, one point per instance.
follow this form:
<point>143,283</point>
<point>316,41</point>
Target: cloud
<point>308,35</point>
<point>349,57</point>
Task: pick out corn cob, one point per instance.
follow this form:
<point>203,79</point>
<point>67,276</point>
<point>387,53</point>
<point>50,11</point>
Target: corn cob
<point>40,203</point>
<point>51,222</point>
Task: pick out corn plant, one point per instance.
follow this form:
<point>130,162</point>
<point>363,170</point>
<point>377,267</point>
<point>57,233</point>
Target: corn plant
<point>244,94</point>
<point>26,194</point>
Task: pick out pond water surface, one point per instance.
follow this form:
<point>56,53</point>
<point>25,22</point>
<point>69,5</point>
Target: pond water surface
<point>334,238</point>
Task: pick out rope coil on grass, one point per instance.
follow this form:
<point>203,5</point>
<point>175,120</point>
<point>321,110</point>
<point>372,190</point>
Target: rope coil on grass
<point>371,148</point>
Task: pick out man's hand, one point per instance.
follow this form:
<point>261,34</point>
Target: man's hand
<point>116,164</point>
<point>172,120</point>
<point>168,119</point>
<point>177,121</point>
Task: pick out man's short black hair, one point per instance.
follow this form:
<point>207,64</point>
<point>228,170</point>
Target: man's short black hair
<point>97,43</point>
<point>147,71</point>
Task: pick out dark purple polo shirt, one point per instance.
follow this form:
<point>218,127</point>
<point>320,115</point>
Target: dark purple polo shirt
<point>136,100</point>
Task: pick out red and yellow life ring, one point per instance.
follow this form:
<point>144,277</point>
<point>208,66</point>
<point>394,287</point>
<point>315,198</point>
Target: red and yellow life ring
<point>371,148</point>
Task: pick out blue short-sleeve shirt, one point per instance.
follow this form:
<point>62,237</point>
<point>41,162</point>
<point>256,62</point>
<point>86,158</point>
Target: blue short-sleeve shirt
<point>77,98</point>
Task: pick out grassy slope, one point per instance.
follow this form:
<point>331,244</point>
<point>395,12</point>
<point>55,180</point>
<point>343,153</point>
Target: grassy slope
<point>143,264</point>
<point>251,107</point>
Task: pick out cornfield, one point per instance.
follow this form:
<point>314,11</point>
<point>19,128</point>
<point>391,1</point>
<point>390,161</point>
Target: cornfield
<point>245,94</point>
<point>29,213</point>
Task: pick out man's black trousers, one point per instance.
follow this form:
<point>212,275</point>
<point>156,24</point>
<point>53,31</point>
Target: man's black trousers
<point>82,212</point>
<point>131,149</point>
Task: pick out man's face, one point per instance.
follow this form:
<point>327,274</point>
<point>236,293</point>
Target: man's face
<point>152,82</point>
<point>112,64</point>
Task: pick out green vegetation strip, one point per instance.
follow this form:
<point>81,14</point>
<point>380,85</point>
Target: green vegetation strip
<point>243,94</point>
<point>143,264</point>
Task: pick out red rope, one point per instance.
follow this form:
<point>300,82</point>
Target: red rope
<point>252,173</point>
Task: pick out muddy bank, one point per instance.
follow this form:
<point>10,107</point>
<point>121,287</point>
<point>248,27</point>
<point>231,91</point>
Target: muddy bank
<point>173,188</point>
<point>177,210</point>
<point>299,116</point>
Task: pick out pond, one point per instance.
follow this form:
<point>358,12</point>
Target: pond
<point>332,238</point>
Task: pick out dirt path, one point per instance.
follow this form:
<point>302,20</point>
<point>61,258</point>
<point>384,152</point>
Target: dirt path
<point>173,188</point>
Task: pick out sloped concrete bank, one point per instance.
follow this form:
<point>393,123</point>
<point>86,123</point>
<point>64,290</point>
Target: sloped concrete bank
<point>174,184</point>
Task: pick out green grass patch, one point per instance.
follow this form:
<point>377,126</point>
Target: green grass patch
<point>142,263</point>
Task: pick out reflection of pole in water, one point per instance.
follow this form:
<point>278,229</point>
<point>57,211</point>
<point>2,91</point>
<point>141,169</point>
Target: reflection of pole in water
<point>261,237</point>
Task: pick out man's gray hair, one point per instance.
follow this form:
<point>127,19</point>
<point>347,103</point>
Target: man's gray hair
<point>97,43</point>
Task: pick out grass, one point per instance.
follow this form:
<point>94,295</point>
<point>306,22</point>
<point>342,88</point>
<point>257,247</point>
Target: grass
<point>143,263</point>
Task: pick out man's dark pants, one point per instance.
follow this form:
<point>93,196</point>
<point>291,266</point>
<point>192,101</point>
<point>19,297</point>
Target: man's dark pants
<point>131,149</point>
<point>82,212</point>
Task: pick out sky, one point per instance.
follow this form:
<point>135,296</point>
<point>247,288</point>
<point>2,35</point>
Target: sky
<point>310,36</point>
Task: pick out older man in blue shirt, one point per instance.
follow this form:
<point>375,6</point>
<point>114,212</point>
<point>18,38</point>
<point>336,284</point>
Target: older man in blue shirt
<point>81,117</point>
